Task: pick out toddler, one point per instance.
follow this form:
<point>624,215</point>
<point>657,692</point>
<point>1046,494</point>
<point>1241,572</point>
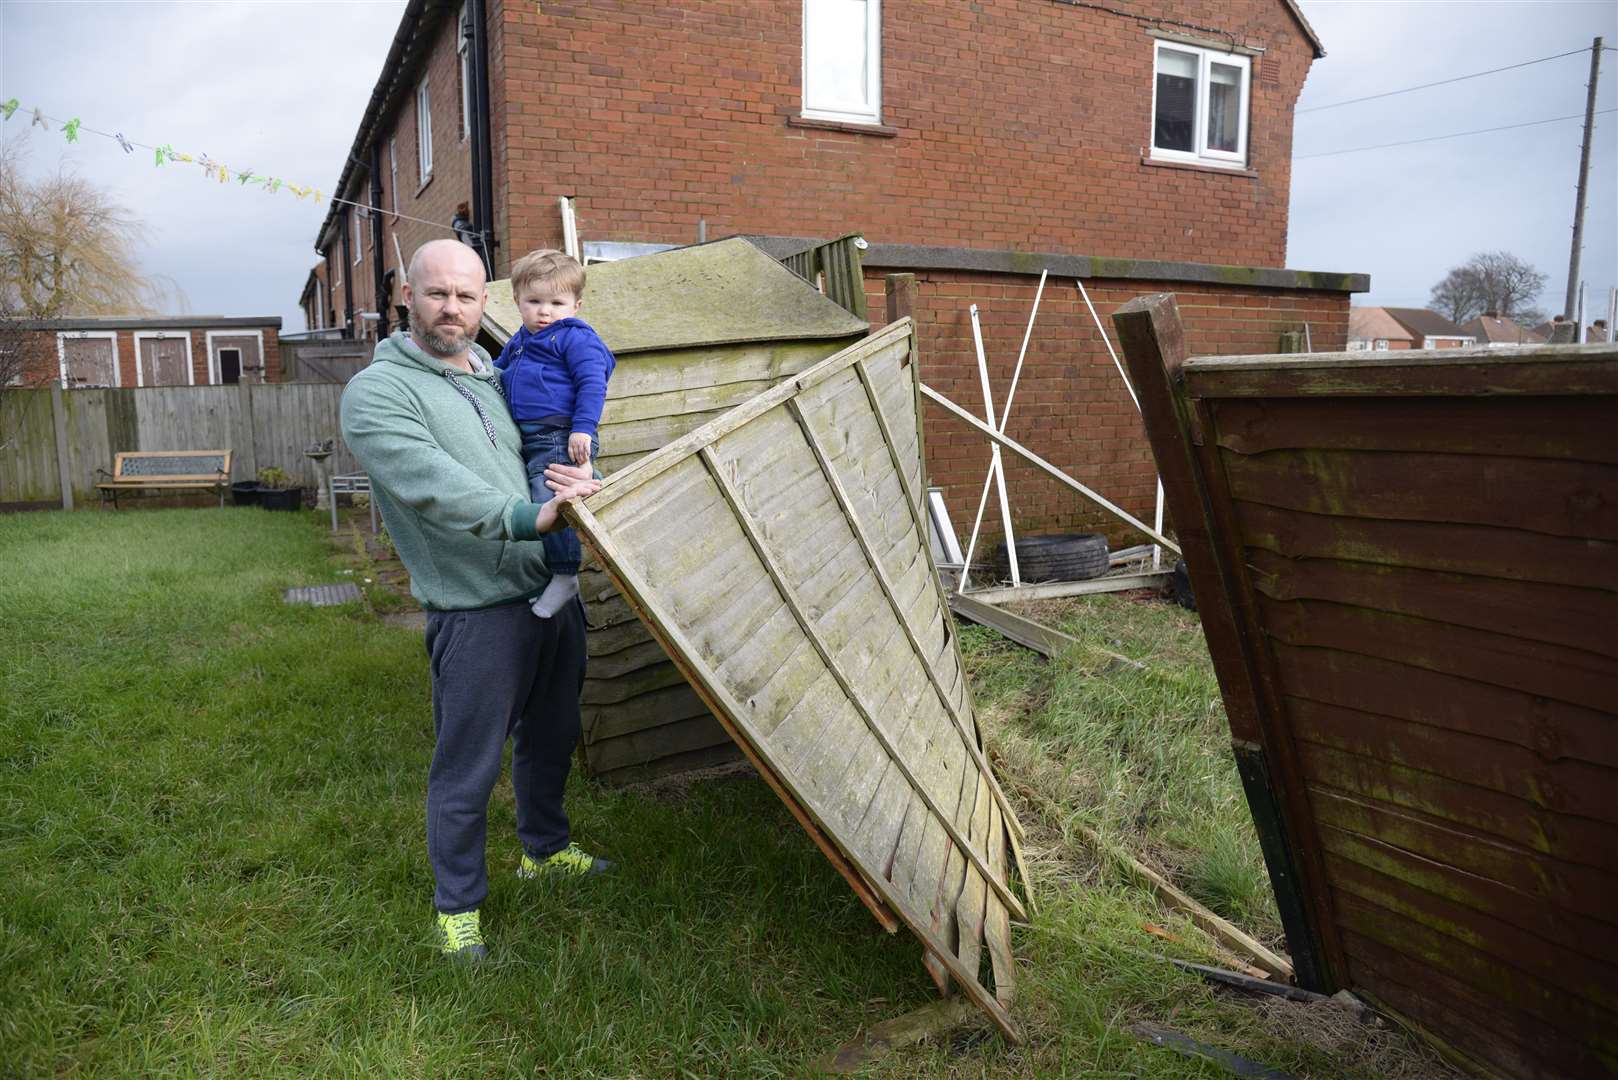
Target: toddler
<point>554,372</point>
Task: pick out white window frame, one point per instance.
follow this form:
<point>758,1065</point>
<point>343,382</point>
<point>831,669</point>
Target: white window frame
<point>111,335</point>
<point>424,133</point>
<point>393,174</point>
<point>866,112</point>
<point>466,74</point>
<point>164,335</point>
<point>1200,154</point>
<point>359,235</point>
<point>213,353</point>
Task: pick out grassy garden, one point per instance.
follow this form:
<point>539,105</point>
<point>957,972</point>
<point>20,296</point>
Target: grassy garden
<point>213,858</point>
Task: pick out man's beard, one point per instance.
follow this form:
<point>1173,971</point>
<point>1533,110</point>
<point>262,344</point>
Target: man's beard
<point>442,347</point>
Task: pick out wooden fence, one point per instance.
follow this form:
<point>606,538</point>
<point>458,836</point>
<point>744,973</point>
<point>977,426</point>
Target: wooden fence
<point>51,440</point>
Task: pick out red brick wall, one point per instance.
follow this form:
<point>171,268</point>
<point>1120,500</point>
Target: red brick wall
<point>1020,123</point>
<point>44,365</point>
<point>1071,406</point>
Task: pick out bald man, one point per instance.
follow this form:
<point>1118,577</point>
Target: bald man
<point>427,421</point>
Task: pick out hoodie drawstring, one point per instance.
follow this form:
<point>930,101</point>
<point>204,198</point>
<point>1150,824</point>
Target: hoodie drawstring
<point>488,426</point>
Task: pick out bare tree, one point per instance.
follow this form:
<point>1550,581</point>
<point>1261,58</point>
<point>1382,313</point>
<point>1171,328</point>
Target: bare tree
<point>1496,281</point>
<point>68,248</point>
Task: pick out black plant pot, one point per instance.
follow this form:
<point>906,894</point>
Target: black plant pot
<point>244,493</point>
<point>281,499</point>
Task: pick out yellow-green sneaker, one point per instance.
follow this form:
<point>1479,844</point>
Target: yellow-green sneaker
<point>459,937</point>
<point>570,860</point>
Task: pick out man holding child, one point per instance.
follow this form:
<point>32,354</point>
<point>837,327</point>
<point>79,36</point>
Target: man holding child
<point>429,422</point>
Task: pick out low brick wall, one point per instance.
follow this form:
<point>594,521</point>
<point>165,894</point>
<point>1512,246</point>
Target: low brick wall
<point>1071,405</point>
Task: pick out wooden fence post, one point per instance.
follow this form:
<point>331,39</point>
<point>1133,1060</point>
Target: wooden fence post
<point>249,459</point>
<point>901,293</point>
<point>59,427</point>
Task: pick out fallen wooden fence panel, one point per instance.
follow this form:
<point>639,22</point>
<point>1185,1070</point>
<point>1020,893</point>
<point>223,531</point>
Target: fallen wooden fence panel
<point>780,554</point>
<point>1407,570</point>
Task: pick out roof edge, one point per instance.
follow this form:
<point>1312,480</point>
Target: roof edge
<point>164,322</point>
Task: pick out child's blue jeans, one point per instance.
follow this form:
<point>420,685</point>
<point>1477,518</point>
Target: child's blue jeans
<point>546,444</point>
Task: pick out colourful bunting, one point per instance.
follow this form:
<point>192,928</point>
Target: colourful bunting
<point>161,155</point>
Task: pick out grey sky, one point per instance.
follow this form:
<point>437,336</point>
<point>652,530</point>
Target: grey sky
<point>256,84</point>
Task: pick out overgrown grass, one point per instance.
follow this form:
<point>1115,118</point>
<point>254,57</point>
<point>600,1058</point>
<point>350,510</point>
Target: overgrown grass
<point>211,860</point>
<point>1140,755</point>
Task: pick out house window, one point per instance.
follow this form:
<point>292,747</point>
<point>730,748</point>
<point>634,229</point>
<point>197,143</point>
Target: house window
<point>842,60</point>
<point>424,133</point>
<point>393,175</point>
<point>359,236</point>
<point>466,73</point>
<point>1199,106</point>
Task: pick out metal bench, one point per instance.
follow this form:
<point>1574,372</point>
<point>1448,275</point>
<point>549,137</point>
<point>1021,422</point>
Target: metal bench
<point>165,470</point>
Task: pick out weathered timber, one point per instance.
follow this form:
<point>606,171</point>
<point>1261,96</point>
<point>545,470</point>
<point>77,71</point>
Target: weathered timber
<point>764,550</point>
<point>1407,571</point>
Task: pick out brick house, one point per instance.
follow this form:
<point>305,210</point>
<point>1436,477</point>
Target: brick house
<point>1373,328</point>
<point>1430,329</point>
<point>131,351</point>
<point>973,145</point>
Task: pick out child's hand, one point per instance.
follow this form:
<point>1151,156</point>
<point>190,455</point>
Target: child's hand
<point>578,448</point>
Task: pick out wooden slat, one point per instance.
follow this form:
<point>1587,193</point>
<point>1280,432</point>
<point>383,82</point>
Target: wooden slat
<point>1491,427</point>
<point>1470,1020</point>
<point>813,633</point>
<point>1576,971</point>
<point>1484,894</point>
<point>1448,488</point>
<point>1577,840</point>
<point>1479,550</point>
<point>1553,730</point>
<point>1542,372</point>
<point>627,480</point>
<point>1554,671</point>
<point>1534,611</point>
<point>859,875</point>
<point>968,740</point>
<point>1557,883</point>
<point>1561,787</point>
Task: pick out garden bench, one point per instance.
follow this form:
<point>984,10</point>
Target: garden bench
<point>165,470</point>
<point>352,484</point>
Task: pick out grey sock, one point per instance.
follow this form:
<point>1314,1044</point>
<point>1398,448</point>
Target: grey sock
<point>563,587</point>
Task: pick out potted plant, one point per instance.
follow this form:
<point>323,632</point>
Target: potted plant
<point>276,490</point>
<point>244,493</point>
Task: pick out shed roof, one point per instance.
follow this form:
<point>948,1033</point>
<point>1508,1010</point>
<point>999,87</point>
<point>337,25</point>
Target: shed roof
<point>1372,323</point>
<point>719,293</point>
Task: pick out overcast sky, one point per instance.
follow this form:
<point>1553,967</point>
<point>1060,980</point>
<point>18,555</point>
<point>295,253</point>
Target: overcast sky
<point>255,85</point>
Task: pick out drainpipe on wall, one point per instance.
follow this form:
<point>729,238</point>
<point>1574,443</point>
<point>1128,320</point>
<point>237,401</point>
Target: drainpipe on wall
<point>477,32</point>
<point>348,277</point>
<point>379,262</point>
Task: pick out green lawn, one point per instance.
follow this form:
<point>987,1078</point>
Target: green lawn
<point>211,856</point>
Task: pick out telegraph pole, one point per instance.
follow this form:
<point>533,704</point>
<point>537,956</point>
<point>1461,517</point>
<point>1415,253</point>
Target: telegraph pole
<point>1584,183</point>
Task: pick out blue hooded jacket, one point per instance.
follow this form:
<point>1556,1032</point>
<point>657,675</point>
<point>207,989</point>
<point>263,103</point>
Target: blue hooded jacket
<point>559,370</point>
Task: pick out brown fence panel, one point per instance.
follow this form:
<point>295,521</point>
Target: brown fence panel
<point>28,461</point>
<point>1404,564</point>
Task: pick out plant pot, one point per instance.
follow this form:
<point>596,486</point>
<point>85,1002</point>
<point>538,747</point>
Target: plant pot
<point>244,493</point>
<point>281,498</point>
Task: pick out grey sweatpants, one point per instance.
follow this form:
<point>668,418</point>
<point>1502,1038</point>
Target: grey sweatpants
<point>496,672</point>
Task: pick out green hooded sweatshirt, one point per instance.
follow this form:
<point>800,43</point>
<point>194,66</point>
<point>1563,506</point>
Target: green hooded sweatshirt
<point>447,475</point>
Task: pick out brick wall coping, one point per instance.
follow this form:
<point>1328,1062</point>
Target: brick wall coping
<point>999,261</point>
<point>920,257</point>
<point>158,322</point>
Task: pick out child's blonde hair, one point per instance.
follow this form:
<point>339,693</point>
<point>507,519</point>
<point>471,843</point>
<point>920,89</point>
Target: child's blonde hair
<point>556,269</point>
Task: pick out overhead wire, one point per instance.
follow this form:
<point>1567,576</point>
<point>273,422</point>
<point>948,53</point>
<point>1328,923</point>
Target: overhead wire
<point>1452,135</point>
<point>1442,82</point>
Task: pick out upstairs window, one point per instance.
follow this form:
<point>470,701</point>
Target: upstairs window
<point>359,234</point>
<point>424,133</point>
<point>463,40</point>
<point>842,60</point>
<point>1199,105</point>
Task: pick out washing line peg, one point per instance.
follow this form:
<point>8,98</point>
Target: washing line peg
<point>128,147</point>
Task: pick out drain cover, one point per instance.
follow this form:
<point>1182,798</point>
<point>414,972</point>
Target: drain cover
<point>323,595</point>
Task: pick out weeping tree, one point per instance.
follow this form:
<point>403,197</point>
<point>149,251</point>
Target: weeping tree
<point>1496,281</point>
<point>68,248</point>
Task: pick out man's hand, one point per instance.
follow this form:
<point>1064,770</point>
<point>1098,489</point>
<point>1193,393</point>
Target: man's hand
<point>578,448</point>
<point>571,481</point>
